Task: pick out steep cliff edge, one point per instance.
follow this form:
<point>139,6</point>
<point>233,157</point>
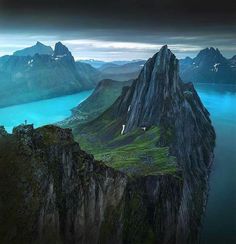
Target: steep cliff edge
<point>53,192</point>
<point>159,107</point>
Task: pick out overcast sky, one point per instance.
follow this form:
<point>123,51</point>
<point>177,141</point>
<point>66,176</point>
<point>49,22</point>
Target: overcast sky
<point>121,29</point>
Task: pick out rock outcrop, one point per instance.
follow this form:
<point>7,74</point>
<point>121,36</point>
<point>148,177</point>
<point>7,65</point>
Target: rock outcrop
<point>53,192</point>
<point>3,132</point>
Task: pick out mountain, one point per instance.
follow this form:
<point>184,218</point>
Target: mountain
<point>158,126</point>
<point>123,72</point>
<point>98,63</point>
<point>209,66</point>
<point>158,140</point>
<point>38,48</point>
<point>232,62</point>
<point>51,191</point>
<point>90,75</point>
<point>104,95</point>
<point>108,66</point>
<point>25,78</point>
<point>94,63</point>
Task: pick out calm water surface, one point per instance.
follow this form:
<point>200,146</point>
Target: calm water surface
<point>220,220</point>
<point>41,112</point>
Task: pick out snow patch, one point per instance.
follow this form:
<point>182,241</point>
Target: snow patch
<point>30,63</point>
<point>129,108</point>
<point>216,67</point>
<point>123,129</point>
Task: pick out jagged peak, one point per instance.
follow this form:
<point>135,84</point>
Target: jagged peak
<point>38,43</point>
<point>61,50</point>
<point>209,56</point>
<point>38,47</point>
<point>157,83</point>
<point>210,51</point>
<point>160,63</point>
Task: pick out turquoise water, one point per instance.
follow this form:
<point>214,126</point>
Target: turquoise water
<point>41,112</point>
<point>219,225</point>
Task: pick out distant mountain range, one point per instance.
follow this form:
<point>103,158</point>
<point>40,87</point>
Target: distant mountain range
<point>209,66</point>
<point>39,72</point>
<point>122,72</point>
<point>99,63</point>
<point>38,48</point>
<point>35,75</point>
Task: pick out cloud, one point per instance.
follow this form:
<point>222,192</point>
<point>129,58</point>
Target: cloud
<point>111,44</point>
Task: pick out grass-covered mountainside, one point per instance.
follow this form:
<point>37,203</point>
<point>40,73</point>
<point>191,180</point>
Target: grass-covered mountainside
<point>27,78</point>
<point>209,66</point>
<point>104,95</point>
<point>157,126</point>
<point>135,153</point>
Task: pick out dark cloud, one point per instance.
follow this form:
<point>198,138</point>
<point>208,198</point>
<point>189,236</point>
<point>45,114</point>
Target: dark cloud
<point>149,12</point>
<point>180,23</point>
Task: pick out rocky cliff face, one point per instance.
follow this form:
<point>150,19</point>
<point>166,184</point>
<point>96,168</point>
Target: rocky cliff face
<point>53,192</point>
<point>159,98</point>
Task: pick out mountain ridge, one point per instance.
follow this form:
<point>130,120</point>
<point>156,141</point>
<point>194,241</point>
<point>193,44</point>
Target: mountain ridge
<point>209,66</point>
<point>159,111</point>
<point>38,48</point>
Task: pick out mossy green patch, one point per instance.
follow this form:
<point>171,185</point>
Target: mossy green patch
<point>135,153</point>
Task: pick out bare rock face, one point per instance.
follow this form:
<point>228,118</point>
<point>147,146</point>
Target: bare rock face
<point>53,192</point>
<point>61,50</point>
